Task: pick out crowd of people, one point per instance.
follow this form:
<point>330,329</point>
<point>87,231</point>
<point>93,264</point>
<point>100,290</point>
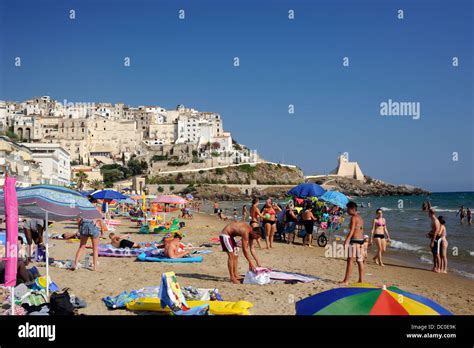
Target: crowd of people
<point>304,218</point>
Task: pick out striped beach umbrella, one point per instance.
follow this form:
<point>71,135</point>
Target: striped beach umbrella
<point>367,299</point>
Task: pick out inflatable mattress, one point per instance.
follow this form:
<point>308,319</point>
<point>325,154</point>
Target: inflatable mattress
<point>143,257</point>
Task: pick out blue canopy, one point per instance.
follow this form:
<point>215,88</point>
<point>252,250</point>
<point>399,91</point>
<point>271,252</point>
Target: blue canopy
<point>336,198</point>
<point>307,189</point>
<point>108,194</point>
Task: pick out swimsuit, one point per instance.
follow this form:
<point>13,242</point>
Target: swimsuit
<point>228,243</point>
<point>357,241</point>
<point>124,243</point>
<point>381,236</point>
<point>308,226</point>
<point>437,245</point>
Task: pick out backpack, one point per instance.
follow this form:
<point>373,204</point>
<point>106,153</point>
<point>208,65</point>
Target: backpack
<point>60,303</point>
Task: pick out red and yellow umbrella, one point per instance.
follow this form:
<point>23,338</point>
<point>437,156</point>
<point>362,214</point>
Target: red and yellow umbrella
<point>367,299</point>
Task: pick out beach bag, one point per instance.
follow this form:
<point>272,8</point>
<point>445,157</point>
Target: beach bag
<point>60,303</point>
<point>260,278</point>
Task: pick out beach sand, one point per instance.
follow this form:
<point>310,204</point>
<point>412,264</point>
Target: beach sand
<point>118,274</point>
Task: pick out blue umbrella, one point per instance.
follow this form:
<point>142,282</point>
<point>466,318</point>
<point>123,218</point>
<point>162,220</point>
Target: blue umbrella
<point>108,194</point>
<point>307,189</point>
<point>336,198</point>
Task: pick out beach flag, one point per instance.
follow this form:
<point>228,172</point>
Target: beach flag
<point>143,202</point>
<point>367,299</point>
<point>11,217</point>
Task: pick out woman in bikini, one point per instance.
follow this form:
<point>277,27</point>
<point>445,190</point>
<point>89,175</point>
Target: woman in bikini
<point>443,246</point>
<point>269,221</point>
<point>255,217</point>
<point>379,229</point>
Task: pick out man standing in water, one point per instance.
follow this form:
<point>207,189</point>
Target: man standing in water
<point>462,213</point>
<point>469,216</point>
<point>434,235</point>
<point>354,243</point>
<point>229,245</point>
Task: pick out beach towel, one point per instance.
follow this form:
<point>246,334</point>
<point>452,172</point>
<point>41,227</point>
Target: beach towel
<point>120,300</point>
<point>267,275</point>
<point>159,257</point>
<point>108,250</point>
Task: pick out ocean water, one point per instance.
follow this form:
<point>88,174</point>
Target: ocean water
<point>408,226</point>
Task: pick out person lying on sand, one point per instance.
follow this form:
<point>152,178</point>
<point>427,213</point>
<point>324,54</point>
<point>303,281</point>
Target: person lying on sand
<point>119,241</point>
<point>229,245</point>
<point>173,249</point>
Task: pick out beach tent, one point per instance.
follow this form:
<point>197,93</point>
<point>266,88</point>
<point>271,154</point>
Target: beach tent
<point>307,189</point>
<point>51,203</point>
<point>367,299</point>
<point>336,198</point>
<point>11,221</point>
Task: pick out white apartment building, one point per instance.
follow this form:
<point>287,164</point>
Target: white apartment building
<point>54,161</point>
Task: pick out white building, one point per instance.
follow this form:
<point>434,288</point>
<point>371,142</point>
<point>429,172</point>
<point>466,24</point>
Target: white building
<point>54,161</point>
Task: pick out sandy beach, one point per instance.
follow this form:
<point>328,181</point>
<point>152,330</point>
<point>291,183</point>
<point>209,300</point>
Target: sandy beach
<point>115,275</point>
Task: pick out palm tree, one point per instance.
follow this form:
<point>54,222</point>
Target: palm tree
<point>96,184</point>
<point>81,179</point>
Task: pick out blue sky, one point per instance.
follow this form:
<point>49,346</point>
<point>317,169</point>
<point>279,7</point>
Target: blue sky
<point>282,62</point>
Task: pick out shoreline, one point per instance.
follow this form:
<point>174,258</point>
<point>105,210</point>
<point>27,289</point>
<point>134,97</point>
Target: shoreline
<point>125,274</point>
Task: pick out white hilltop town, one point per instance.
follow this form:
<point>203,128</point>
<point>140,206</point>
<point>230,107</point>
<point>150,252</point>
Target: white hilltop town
<point>84,145</point>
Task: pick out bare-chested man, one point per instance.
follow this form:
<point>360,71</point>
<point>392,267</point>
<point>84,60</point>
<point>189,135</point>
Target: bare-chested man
<point>354,243</point>
<point>229,245</point>
<point>435,237</point>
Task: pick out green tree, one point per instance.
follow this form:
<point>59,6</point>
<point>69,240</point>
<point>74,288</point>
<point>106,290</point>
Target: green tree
<point>81,179</point>
<point>160,189</point>
<point>135,166</point>
<point>96,184</point>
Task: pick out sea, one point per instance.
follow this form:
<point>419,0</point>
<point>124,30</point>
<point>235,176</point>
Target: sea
<point>408,225</point>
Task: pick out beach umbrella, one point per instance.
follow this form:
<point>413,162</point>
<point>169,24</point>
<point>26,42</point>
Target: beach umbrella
<point>307,189</point>
<point>367,299</point>
<point>170,199</point>
<point>336,198</point>
<point>107,195</point>
<point>51,203</point>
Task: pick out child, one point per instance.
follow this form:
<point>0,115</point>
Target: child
<point>122,241</point>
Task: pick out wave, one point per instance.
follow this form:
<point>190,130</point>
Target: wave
<point>386,209</point>
<point>436,208</point>
<point>471,253</point>
<point>426,259</point>
<point>395,244</point>
<point>463,273</point>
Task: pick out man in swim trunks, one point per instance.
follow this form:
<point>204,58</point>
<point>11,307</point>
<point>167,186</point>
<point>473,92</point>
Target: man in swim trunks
<point>434,235</point>
<point>173,249</point>
<point>118,241</point>
<point>354,243</point>
<point>229,245</point>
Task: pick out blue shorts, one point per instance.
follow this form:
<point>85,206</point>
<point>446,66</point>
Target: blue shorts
<point>290,227</point>
<point>89,229</point>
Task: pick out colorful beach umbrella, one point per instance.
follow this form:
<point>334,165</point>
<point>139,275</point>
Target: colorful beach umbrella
<point>307,189</point>
<point>367,299</point>
<point>336,198</point>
